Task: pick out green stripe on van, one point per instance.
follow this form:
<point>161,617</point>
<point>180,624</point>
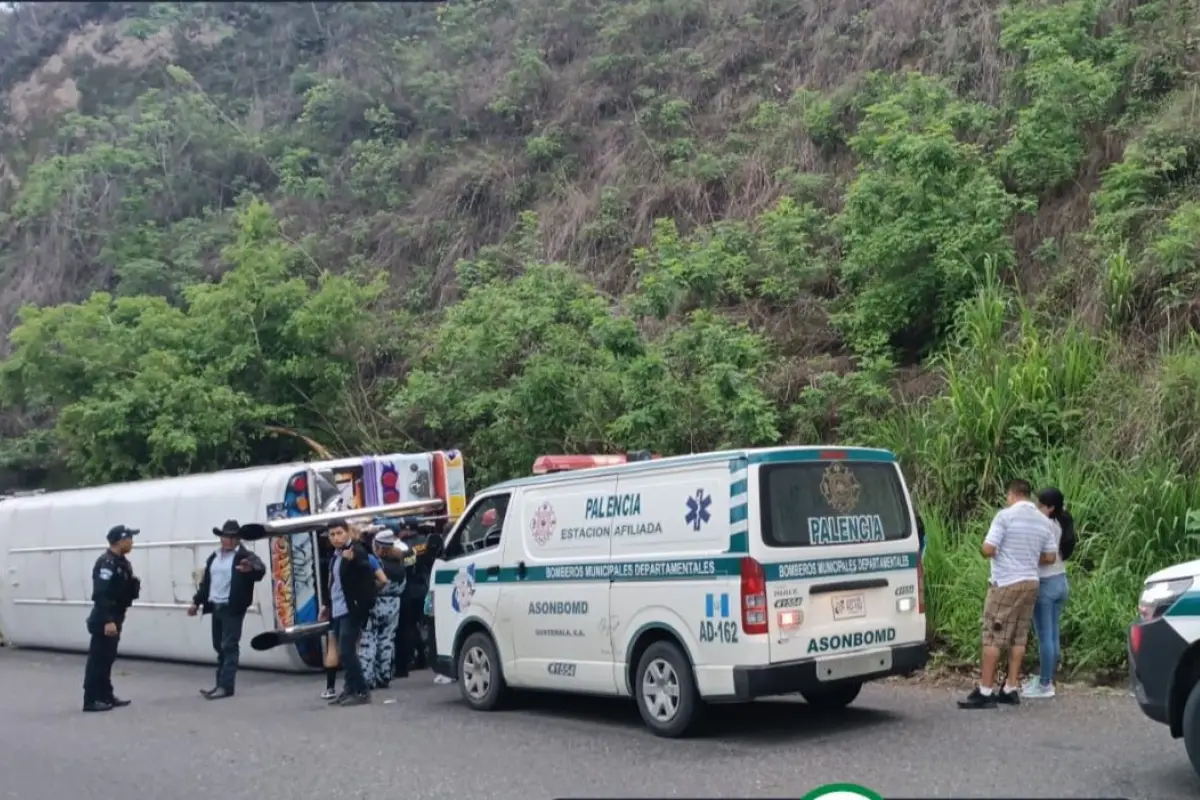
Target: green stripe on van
<point>739,543</point>
<point>687,569</point>
<point>820,454</point>
<point>656,570</point>
<point>838,567</point>
<point>1186,606</point>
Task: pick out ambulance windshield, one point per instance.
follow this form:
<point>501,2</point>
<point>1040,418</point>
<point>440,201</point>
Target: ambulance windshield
<point>830,503</point>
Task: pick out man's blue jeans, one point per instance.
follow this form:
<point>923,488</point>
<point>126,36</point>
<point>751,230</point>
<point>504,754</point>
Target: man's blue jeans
<point>226,641</point>
<point>348,629</point>
<point>1047,616</point>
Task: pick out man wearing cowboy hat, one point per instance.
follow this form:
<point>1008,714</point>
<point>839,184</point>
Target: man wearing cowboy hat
<point>226,591</point>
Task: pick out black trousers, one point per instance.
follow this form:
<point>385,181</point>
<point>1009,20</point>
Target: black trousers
<point>97,674</point>
<point>408,637</point>
<point>227,640</point>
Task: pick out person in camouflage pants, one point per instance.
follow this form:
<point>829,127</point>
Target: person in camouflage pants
<point>377,649</point>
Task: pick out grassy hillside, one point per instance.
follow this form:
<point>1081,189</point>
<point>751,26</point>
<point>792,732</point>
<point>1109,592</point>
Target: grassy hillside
<point>969,232</point>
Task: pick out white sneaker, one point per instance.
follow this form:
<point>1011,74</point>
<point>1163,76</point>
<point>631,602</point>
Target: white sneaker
<point>1037,689</point>
<point>329,694</point>
<point>442,680</point>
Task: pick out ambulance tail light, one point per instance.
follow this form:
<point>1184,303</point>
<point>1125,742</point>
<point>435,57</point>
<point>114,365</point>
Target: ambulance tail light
<point>920,585</point>
<point>754,597</point>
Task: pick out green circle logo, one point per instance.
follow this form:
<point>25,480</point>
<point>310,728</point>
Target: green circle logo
<point>842,791</point>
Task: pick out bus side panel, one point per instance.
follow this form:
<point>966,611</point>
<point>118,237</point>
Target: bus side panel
<point>235,496</point>
<point>271,600</point>
<point>292,566</point>
<point>23,528</point>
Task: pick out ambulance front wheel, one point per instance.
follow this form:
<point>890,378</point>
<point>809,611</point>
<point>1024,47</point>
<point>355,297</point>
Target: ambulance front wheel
<point>480,679</point>
<point>832,698</point>
<point>1191,727</point>
<point>665,689</point>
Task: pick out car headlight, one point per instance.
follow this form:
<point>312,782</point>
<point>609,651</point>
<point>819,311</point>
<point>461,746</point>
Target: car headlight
<point>1157,597</point>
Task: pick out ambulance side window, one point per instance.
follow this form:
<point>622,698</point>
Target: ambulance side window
<point>481,528</point>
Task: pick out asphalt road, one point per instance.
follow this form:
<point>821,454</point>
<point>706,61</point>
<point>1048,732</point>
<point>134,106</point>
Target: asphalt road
<point>277,740</point>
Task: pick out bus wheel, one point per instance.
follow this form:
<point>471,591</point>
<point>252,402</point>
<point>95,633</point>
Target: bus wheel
<point>479,675</point>
<point>665,690</point>
<point>1191,727</point>
<point>832,698</point>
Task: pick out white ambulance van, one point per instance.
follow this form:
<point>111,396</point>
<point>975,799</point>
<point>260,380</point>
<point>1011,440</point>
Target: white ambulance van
<point>717,577</point>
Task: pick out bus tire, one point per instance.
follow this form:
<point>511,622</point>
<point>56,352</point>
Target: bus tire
<point>665,690</point>
<point>480,675</point>
<point>834,697</point>
<point>1191,727</point>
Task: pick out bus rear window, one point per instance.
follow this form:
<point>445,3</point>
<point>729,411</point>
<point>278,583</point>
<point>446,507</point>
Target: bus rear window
<point>829,503</point>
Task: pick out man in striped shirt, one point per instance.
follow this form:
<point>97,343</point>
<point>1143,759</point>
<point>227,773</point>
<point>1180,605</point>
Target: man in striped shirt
<point>1021,537</point>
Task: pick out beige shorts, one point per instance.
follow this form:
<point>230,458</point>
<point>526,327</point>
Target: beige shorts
<point>1007,614</point>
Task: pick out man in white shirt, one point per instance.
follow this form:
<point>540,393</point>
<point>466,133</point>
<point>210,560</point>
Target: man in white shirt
<point>1020,539</point>
<point>226,592</point>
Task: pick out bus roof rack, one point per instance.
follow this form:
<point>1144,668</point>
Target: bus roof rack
<point>21,493</point>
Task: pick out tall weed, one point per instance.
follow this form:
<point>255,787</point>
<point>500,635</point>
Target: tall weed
<point>1025,399</point>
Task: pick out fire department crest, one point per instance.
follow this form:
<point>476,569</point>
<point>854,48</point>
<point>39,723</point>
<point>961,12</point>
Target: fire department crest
<point>840,488</point>
<point>543,524</point>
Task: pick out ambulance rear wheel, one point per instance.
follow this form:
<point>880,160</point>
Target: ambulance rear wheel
<point>832,698</point>
<point>480,679</point>
<point>665,690</point>
<point>1191,727</point>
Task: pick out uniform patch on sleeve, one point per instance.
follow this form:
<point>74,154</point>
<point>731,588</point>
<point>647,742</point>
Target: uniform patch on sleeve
<point>105,573</point>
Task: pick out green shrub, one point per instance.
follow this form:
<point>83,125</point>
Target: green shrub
<point>921,220</point>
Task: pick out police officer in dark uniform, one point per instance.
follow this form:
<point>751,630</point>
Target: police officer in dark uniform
<point>410,654</point>
<point>114,588</point>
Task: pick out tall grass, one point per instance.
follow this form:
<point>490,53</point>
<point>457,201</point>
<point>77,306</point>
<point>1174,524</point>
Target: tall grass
<point>1052,402</point>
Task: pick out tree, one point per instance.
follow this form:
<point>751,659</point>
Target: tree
<point>142,388</point>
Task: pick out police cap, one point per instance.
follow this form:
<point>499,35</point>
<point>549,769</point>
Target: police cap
<point>120,532</point>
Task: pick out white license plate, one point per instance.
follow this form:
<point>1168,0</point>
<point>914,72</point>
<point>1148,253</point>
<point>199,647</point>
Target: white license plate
<point>849,606</point>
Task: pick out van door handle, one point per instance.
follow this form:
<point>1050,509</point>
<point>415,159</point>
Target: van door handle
<point>520,570</point>
<point>492,572</point>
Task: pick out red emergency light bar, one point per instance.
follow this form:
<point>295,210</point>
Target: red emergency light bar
<point>544,465</point>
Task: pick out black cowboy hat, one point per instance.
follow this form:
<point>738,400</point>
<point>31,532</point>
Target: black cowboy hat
<point>230,528</point>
